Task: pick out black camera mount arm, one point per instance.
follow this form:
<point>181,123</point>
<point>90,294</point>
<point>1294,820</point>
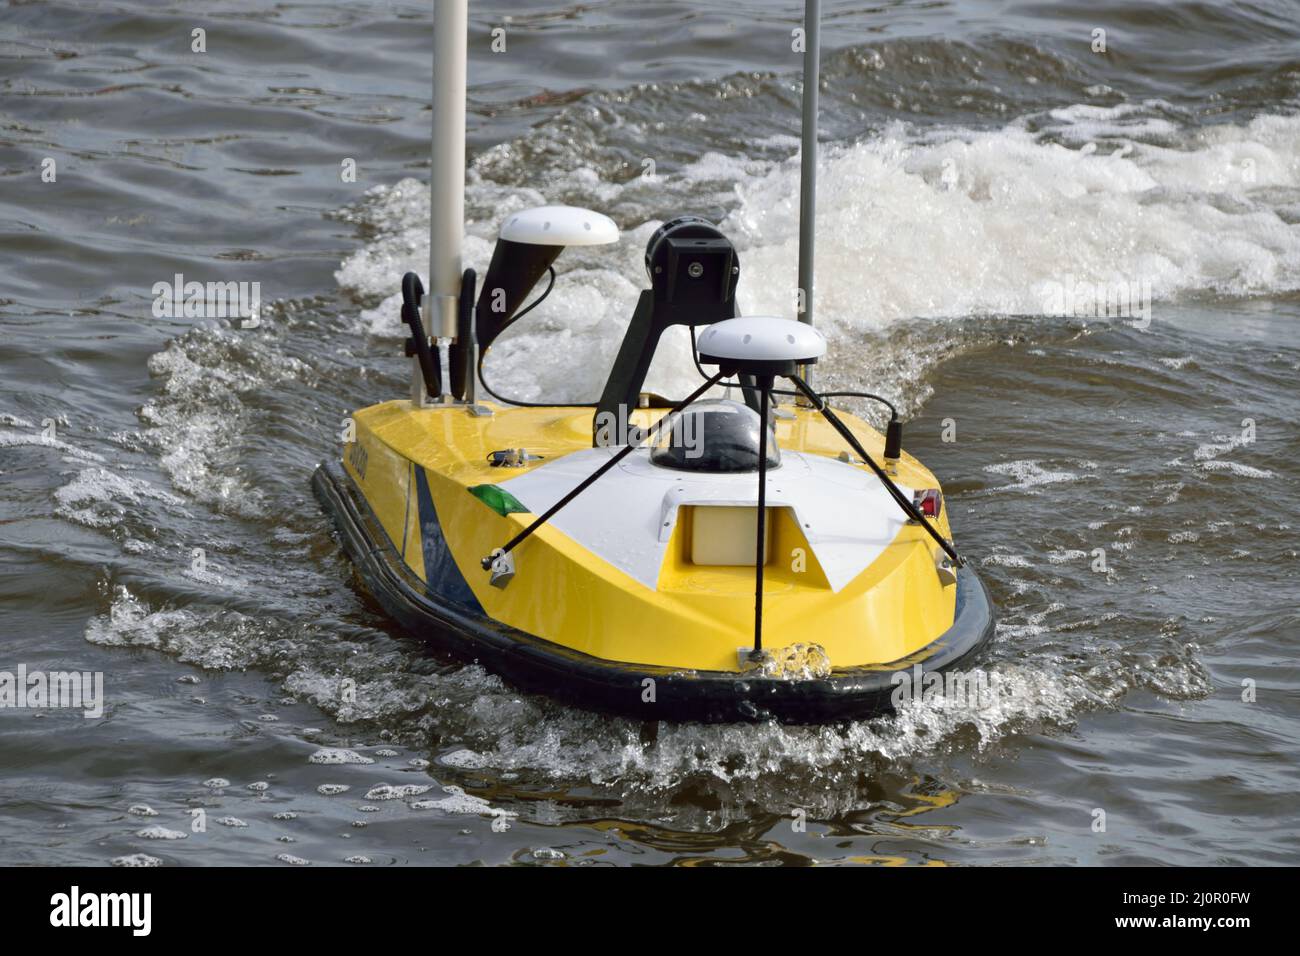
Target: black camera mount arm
<point>693,271</point>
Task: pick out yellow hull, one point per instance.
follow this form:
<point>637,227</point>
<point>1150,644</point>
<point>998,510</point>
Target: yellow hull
<point>414,468</point>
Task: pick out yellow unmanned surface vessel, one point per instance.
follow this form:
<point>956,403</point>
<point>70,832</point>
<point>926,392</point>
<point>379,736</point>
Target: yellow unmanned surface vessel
<point>748,557</point>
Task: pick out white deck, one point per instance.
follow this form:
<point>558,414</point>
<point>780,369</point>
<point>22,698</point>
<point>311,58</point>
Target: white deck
<point>627,517</point>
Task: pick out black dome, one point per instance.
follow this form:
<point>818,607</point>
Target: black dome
<point>714,436</point>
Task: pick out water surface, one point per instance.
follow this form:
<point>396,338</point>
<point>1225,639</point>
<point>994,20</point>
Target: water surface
<point>974,154</point>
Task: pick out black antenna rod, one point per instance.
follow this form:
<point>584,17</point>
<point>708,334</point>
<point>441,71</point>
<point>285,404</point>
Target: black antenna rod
<point>430,370</point>
<point>760,553</point>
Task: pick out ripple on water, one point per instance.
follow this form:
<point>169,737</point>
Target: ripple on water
<point>332,756</point>
<point>386,791</point>
<point>161,833</point>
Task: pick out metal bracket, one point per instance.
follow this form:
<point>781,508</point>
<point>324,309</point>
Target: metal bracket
<point>748,659</point>
<point>502,568</point>
<point>512,458</point>
<point>947,570</point>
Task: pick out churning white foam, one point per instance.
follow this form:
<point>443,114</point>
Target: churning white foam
<point>484,725</point>
<point>13,438</point>
<point>198,420</point>
<point>936,223</point>
<point>96,496</point>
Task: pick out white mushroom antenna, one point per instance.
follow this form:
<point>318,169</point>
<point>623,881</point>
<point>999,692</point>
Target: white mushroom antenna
<point>559,226</point>
<point>761,339</point>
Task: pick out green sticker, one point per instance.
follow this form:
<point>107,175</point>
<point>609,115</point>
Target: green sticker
<point>498,499</point>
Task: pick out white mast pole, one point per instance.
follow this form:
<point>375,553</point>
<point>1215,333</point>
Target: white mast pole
<point>447,171</point>
<point>808,158</point>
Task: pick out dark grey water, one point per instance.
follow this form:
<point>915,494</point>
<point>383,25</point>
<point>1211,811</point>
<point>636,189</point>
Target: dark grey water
<point>977,156</point>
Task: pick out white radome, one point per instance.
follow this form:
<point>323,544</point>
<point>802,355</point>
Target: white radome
<point>762,338</point>
<point>559,226</point>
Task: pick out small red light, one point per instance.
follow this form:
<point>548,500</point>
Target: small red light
<point>928,502</point>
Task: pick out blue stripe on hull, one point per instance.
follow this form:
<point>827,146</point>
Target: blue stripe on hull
<point>442,577</point>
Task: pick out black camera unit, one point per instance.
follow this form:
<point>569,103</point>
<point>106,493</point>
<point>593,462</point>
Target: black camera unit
<point>693,270</point>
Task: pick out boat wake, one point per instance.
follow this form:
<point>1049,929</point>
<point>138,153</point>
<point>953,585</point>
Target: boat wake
<point>935,223</point>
